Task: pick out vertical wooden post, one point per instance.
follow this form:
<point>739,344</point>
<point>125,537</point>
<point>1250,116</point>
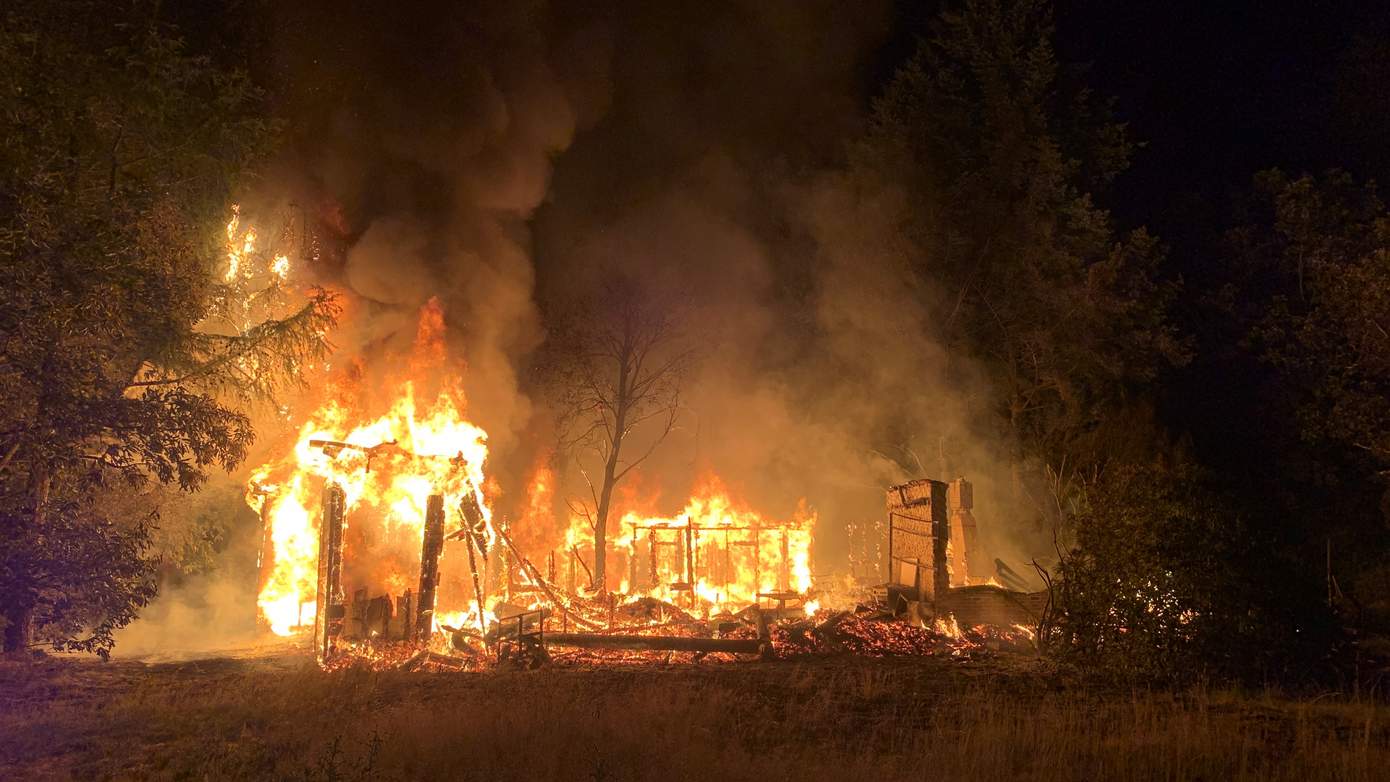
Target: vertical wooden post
<point>477,582</point>
<point>430,549</point>
<point>757,558</point>
<point>651,554</point>
<point>632,559</point>
<point>941,539</point>
<point>329,608</point>
<point>690,552</point>
<point>406,609</point>
<point>680,555</point>
<point>784,574</point>
<point>504,565</point>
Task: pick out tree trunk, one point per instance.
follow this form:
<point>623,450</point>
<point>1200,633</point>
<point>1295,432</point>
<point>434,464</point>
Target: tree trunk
<point>19,614</point>
<point>605,497</point>
<point>610,473</point>
<point>19,627</point>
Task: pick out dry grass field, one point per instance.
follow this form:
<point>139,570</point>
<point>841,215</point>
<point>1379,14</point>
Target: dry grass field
<point>834,719</point>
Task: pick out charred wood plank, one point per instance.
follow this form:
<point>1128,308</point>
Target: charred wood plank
<point>330,608</point>
<point>432,545</point>
<point>671,643</point>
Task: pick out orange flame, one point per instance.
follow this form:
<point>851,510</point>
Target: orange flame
<point>715,555</point>
<point>387,468</point>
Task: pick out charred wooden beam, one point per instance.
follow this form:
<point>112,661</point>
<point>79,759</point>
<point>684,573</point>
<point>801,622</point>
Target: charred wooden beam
<point>690,552</point>
<point>475,526</point>
<point>477,582</point>
<point>332,448</point>
<point>653,575</point>
<point>265,558</point>
<point>429,564</point>
<point>941,538</point>
<point>330,608</point>
<point>671,643</point>
<point>566,610</point>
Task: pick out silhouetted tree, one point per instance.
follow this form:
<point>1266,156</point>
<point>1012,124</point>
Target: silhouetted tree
<point>1166,579</point>
<point>1301,323</point>
<point>620,359</point>
<point>1321,313</point>
<point>1001,151</point>
<point>123,339</point>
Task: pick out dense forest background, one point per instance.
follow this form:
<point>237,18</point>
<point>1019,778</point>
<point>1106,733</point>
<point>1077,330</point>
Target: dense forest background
<point>1141,250</point>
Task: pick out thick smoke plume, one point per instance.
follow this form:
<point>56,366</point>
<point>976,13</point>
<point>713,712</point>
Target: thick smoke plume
<point>425,137</point>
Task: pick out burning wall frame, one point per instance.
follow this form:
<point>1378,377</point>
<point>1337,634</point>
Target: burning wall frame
<point>412,616</point>
<point>680,555</point>
<point>719,544</point>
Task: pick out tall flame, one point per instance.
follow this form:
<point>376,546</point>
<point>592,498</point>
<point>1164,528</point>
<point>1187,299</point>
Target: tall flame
<point>387,467</point>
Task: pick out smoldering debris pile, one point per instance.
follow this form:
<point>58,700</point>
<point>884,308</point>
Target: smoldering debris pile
<point>646,631</point>
<point>870,632</point>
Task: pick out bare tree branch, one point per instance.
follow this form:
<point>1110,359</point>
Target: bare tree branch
<point>622,361</point>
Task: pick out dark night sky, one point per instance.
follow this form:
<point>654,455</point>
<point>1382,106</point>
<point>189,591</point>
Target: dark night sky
<point>1216,91</point>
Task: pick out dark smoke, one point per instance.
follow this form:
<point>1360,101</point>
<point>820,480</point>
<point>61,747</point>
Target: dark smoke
<point>425,136</point>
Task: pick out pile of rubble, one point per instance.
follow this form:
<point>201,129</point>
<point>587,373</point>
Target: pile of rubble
<point>870,632</point>
<point>646,631</point>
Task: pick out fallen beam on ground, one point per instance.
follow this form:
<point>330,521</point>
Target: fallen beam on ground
<point>671,643</point>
